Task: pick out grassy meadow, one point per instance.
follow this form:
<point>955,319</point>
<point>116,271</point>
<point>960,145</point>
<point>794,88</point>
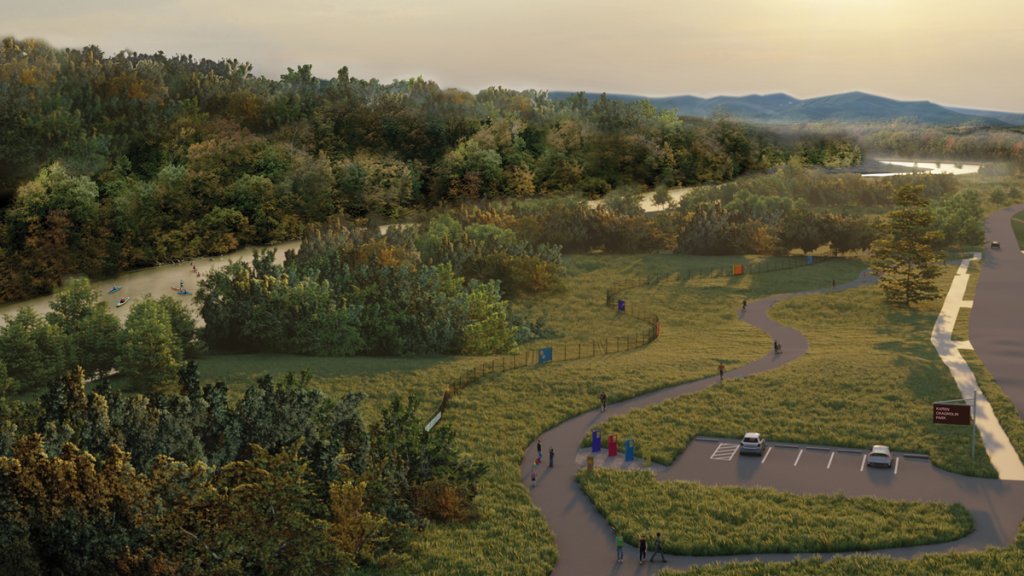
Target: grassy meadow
<point>498,417</point>
<point>869,377</point>
<point>698,520</point>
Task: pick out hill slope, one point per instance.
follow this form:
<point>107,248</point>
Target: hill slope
<point>847,107</point>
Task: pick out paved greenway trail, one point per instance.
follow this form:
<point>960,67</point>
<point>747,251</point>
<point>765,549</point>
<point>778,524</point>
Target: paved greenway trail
<point>586,543</point>
<point>997,316</point>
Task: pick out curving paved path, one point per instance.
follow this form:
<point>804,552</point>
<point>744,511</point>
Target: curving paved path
<point>997,318</point>
<point>586,543</point>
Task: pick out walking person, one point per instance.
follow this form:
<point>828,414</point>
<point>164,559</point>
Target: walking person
<point>643,548</point>
<point>778,347</point>
<point>533,479</point>
<point>618,547</point>
<point>551,458</point>
<point>657,548</point>
<point>744,304</point>
<point>721,371</point>
<point>604,401</point>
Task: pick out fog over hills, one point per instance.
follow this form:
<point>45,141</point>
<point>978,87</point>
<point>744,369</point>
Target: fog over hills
<point>846,107</point>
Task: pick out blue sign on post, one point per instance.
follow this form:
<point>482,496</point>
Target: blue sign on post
<point>544,355</point>
<point>629,450</point>
<point>622,305</point>
<point>595,440</point>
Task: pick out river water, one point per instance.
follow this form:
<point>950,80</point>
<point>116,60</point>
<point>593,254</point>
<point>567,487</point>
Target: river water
<point>927,167</point>
<point>155,281</point>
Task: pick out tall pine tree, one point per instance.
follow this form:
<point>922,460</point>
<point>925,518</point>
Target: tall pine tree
<point>904,257</point>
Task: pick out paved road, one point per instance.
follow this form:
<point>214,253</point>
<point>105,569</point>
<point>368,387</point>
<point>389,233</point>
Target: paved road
<point>997,319</point>
<point>585,542</point>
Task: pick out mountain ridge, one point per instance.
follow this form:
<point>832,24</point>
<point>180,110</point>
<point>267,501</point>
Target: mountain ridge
<point>854,106</point>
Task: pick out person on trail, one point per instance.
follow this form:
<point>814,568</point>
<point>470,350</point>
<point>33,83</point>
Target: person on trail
<point>744,304</point>
<point>533,479</point>
<point>551,458</point>
<point>618,547</point>
<point>643,548</point>
<point>778,347</point>
<point>539,451</point>
<point>721,371</point>
<point>604,401</point>
<point>657,548</point>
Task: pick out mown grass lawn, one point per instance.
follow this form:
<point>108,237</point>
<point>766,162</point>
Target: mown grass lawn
<point>699,520</point>
<point>869,377</point>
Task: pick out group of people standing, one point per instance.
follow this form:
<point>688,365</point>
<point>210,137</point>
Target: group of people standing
<point>641,547</point>
<point>539,460</point>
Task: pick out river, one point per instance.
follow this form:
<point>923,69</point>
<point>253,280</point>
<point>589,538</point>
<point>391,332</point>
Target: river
<point>155,281</point>
<point>927,167</point>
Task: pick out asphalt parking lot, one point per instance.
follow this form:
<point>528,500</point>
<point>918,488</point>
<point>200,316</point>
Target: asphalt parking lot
<point>805,469</point>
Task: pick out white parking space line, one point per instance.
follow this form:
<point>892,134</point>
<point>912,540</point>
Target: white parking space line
<point>725,452</point>
<point>862,461</point>
<point>799,454</point>
<point>830,461</point>
<point>896,467</point>
<point>767,452</point>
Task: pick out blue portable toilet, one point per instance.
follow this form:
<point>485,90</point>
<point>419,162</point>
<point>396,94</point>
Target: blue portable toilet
<point>544,355</point>
<point>630,444</point>
<point>595,440</point>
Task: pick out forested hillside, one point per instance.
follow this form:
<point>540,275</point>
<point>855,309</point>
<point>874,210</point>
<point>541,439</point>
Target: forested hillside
<point>111,162</point>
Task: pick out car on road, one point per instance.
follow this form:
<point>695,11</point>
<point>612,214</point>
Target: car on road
<point>752,443</point>
<point>995,244</point>
<point>880,456</point>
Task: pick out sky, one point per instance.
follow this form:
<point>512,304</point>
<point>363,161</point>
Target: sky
<point>966,53</point>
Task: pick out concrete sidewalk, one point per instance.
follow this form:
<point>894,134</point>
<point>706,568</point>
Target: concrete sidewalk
<point>1000,451</point>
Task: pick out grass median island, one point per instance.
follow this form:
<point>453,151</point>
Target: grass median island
<point>992,562</point>
<point>700,520</point>
<point>869,377</point>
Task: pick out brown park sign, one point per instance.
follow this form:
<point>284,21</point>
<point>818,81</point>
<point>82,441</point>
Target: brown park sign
<point>951,413</point>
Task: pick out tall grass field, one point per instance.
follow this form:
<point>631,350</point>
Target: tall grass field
<point>699,520</point>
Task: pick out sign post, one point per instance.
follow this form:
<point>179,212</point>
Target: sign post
<point>959,413</point>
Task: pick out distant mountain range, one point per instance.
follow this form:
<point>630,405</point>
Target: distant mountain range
<point>848,107</point>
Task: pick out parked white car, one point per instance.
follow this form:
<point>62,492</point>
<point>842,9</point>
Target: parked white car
<point>880,456</point>
<point>752,443</point>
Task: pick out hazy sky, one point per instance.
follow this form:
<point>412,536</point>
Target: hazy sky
<point>954,52</point>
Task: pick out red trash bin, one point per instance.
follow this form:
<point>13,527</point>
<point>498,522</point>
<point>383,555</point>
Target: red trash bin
<point>613,446</point>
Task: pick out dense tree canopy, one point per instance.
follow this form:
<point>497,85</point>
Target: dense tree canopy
<point>352,290</point>
<point>288,481</point>
<point>110,162</point>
